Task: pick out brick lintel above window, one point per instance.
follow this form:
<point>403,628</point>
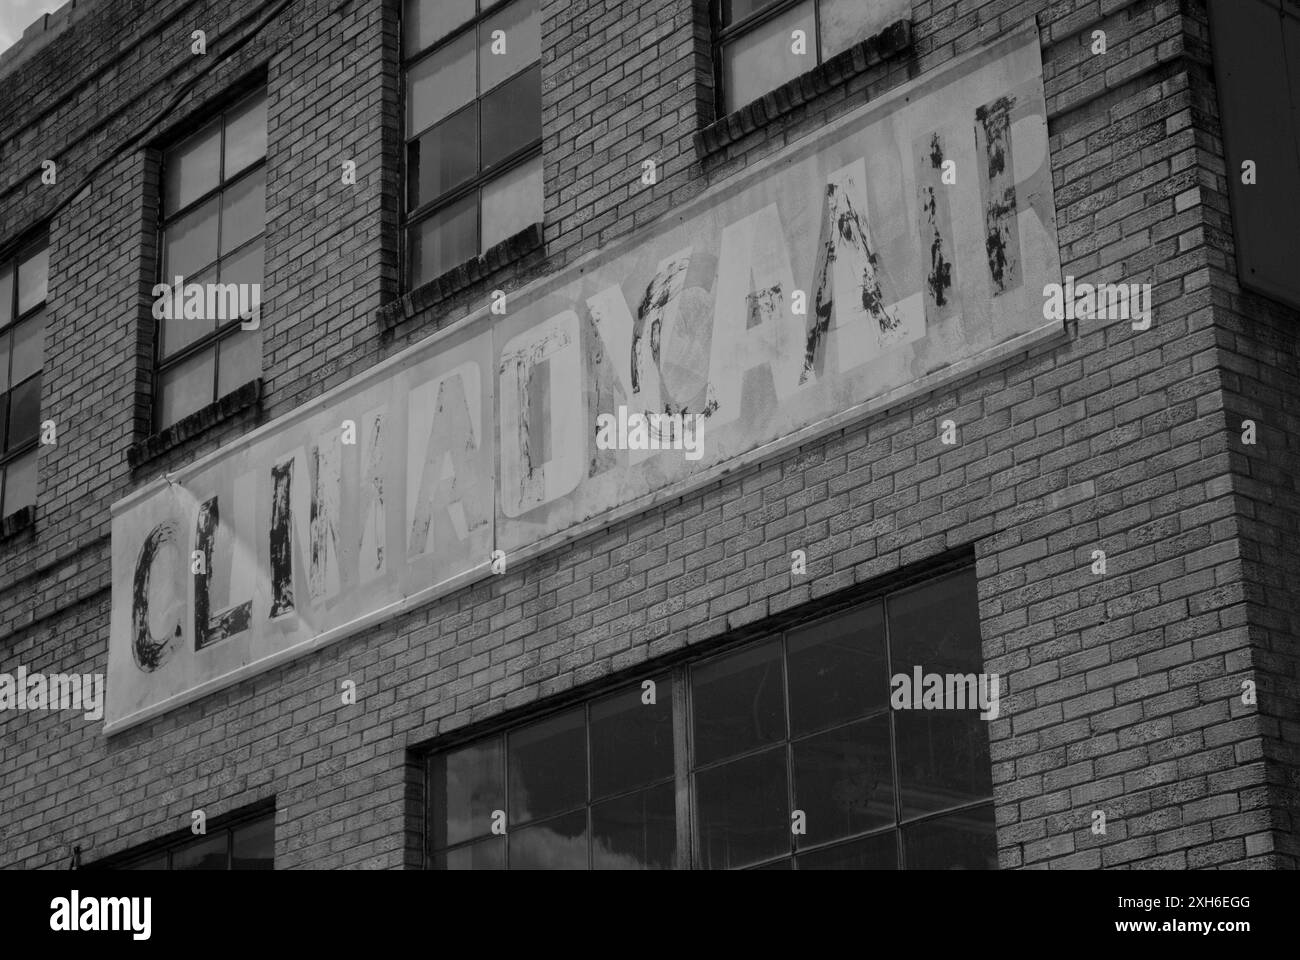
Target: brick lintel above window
<point>823,78</point>
<point>233,403</point>
<point>508,252</point>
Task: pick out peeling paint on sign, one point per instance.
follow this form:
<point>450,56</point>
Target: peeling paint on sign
<point>482,439</point>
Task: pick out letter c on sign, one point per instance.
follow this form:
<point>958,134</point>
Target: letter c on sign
<point>156,632</point>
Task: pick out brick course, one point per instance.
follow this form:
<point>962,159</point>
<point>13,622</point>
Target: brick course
<point>1122,690</point>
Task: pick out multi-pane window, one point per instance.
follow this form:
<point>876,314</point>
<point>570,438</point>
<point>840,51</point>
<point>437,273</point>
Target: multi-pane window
<point>473,128</point>
<point>213,233</point>
<point>246,845</point>
<point>23,282</point>
<point>794,728</point>
<point>590,787</point>
<point>760,44</point>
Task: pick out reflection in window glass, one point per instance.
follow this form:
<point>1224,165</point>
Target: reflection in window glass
<point>425,22</point>
<point>512,202</point>
<point>244,266</point>
<point>28,347</point>
<point>739,703</point>
<point>937,626</point>
<point>756,39</point>
<point>440,84</point>
<point>6,293</point>
<point>214,221</point>
<point>734,11</point>
<point>190,243</point>
<point>24,286</point>
<point>20,483</point>
<point>444,156</point>
<point>186,387</point>
<point>180,331</point>
<point>609,783</point>
<point>556,844</point>
<point>153,863</point>
<point>548,767</point>
<point>33,279</point>
<point>960,841</point>
<point>253,845</point>
<point>489,854</point>
<point>211,853</point>
<point>512,116</point>
<point>473,130</point>
<point>24,413</point>
<point>943,759</point>
<point>243,211</point>
<point>239,360</point>
<point>637,831</point>
<point>446,239</point>
<point>879,852</point>
<point>519,27</point>
<point>846,22</point>
<point>844,782</point>
<point>245,137</point>
<point>763,58</point>
<point>743,811</point>
<point>837,669</point>
<point>466,786</point>
<point>192,168</point>
<point>245,845</point>
<point>631,740</point>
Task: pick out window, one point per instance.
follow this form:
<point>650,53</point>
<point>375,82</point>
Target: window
<point>23,281</point>
<point>213,235</point>
<point>473,128</point>
<point>755,41</point>
<point>799,721</point>
<point>1256,46</point>
<point>243,844</point>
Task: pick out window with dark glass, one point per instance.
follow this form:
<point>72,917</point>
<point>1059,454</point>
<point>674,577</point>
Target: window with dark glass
<point>473,128</point>
<point>591,787</point>
<point>213,232</point>
<point>1256,50</point>
<point>242,844</point>
<point>799,722</point>
<point>23,282</point>
<point>757,48</point>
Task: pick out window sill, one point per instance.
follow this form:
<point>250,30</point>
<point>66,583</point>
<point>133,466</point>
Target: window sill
<point>249,395</point>
<point>17,522</point>
<point>461,277</point>
<point>839,69</point>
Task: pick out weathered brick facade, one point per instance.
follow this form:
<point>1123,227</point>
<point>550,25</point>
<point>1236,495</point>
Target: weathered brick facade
<point>1123,689</point>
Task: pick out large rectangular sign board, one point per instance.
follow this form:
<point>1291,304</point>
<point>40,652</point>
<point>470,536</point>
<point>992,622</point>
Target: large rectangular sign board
<point>899,247</point>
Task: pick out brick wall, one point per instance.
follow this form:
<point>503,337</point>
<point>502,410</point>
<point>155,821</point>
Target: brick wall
<point>1123,688</point>
<point>1259,342</point>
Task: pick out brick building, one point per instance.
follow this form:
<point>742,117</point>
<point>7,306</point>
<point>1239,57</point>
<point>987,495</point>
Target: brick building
<point>580,654</point>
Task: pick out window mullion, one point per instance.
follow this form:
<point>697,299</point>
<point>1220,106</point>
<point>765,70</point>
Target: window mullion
<point>686,859</point>
<point>586,740</point>
<point>817,29</point>
<point>220,197</point>
<point>893,738</point>
<point>789,751</point>
<point>505,801</point>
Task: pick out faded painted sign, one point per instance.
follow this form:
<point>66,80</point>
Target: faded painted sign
<point>903,245</point>
<point>297,534</point>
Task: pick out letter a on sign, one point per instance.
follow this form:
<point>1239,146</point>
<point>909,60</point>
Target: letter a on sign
<point>446,502</point>
<point>542,457</point>
<point>857,311</point>
<point>750,330</point>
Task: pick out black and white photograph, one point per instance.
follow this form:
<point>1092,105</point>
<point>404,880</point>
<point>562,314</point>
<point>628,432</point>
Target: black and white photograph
<point>650,435</point>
